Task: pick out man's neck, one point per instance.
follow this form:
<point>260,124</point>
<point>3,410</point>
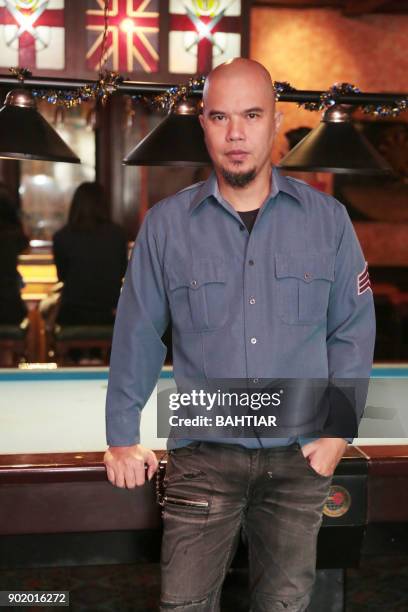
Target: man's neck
<point>250,197</point>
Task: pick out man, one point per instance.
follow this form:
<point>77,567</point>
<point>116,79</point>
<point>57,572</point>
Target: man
<point>280,296</point>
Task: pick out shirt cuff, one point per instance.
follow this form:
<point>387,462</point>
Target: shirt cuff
<point>302,440</point>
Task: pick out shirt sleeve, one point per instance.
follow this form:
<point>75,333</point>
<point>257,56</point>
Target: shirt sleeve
<point>351,320</point>
<point>138,352</point>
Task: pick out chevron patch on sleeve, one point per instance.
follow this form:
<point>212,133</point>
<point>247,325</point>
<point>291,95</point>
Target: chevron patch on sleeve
<point>363,281</point>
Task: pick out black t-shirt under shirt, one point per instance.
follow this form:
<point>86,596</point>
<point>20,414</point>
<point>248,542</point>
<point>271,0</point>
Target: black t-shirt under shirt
<point>248,217</point>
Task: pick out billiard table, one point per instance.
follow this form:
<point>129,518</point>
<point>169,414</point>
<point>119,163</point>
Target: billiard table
<point>57,507</point>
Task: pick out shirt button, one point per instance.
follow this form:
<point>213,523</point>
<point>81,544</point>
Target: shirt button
<point>252,300</point>
<point>251,262</point>
<point>253,340</point>
<point>193,283</point>
<point>241,227</point>
<point>255,380</point>
<point>307,276</point>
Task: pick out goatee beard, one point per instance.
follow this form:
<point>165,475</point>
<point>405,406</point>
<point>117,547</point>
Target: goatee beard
<point>238,179</point>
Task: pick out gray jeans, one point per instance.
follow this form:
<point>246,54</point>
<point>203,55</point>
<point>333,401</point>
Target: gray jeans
<point>212,491</point>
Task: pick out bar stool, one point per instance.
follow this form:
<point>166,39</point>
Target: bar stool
<point>13,343</point>
<point>81,337</point>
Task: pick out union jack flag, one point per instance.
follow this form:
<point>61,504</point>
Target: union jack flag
<point>32,33</point>
<point>203,34</point>
<point>133,35</point>
<point>363,281</point>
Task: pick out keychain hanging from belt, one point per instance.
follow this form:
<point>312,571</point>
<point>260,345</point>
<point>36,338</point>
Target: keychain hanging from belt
<point>160,476</point>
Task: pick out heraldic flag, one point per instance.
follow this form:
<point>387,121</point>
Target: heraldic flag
<point>203,34</point>
<point>32,34</point>
<point>133,35</point>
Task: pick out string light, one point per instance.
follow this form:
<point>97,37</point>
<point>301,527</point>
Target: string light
<point>168,99</point>
<point>108,83</point>
<point>330,97</point>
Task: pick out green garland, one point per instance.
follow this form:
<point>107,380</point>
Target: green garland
<point>108,82</point>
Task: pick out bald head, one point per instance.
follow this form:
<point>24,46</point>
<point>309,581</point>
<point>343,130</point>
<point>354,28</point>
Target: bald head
<point>243,71</point>
<point>238,120</point>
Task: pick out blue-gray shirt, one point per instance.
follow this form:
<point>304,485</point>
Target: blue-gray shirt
<point>288,300</point>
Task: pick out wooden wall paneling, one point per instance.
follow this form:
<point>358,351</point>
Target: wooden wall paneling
<point>103,148</point>
<point>164,39</point>
<point>348,7</point>
<point>75,41</point>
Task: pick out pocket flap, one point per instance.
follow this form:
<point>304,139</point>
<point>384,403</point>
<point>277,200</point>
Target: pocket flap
<point>307,267</point>
<point>202,271</point>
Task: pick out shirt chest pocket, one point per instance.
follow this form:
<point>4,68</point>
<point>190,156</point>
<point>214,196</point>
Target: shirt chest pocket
<point>197,295</point>
<point>303,286</point>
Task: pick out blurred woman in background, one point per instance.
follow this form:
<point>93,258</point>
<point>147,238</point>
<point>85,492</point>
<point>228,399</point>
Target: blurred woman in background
<point>12,242</point>
<point>90,253</point>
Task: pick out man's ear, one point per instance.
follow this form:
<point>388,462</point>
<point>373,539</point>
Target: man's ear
<point>201,119</point>
<point>278,121</point>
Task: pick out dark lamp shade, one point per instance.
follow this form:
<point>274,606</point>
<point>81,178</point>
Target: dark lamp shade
<point>335,147</point>
<point>177,141</point>
<point>25,134</point>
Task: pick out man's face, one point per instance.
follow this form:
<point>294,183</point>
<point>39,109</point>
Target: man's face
<point>239,126</point>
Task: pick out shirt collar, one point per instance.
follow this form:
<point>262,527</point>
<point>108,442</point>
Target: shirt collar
<point>210,188</point>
